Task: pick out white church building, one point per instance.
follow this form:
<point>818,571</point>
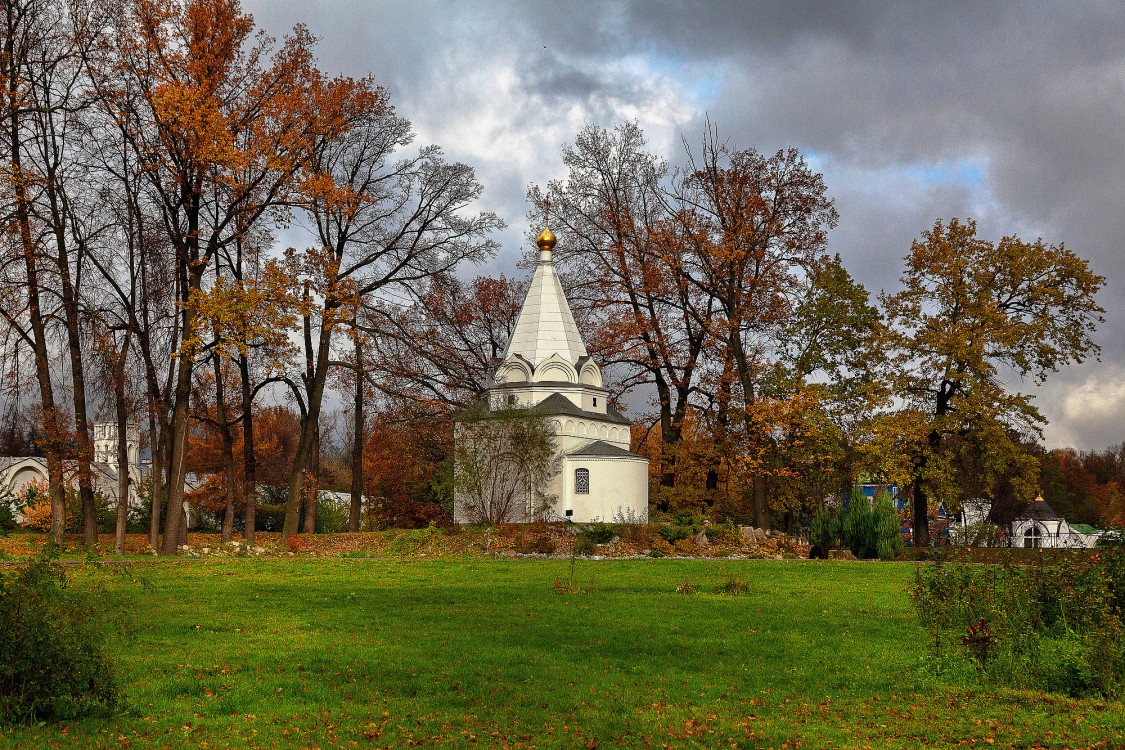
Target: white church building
<point>546,367</point>
<point>16,472</point>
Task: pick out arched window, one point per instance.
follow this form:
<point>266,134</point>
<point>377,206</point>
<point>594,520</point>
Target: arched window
<point>1033,537</point>
<point>582,481</point>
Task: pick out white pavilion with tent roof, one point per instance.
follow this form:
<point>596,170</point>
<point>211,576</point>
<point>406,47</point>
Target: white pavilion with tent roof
<point>546,367</point>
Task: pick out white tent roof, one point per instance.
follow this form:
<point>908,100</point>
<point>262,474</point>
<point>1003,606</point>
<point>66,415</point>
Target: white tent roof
<point>545,325</point>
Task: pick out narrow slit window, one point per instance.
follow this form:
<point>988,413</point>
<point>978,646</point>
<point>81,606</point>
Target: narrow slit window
<point>595,400</point>
<point>582,481</point>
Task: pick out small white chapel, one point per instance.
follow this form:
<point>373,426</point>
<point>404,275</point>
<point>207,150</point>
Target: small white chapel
<point>546,367</point>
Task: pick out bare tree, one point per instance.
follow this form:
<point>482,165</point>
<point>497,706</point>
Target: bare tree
<point>381,227</point>
<point>504,458</point>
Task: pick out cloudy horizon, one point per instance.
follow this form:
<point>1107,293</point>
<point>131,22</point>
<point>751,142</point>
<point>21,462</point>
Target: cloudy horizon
<point>1009,113</point>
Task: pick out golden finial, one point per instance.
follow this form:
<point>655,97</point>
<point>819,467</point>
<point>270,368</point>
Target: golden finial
<point>546,239</point>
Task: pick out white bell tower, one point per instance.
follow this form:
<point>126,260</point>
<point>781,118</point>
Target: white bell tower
<point>105,443</point>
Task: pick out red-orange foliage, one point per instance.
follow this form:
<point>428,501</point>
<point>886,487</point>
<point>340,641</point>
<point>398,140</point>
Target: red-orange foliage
<point>275,442</point>
<point>402,459</point>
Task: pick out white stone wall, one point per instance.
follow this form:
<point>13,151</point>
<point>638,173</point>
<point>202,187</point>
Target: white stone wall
<point>617,485</point>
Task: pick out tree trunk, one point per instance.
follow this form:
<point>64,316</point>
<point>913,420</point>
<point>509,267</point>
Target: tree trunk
<point>52,432</point>
<point>158,427</point>
<point>761,505</point>
<point>754,437</point>
<point>306,443</point>
<point>942,404</point>
<point>174,525</point>
<point>667,440</point>
<point>78,380</point>
<point>313,492</point>
<point>230,481</point>
<point>356,507</point>
<point>921,513</point>
<point>122,450</point>
<point>249,462</point>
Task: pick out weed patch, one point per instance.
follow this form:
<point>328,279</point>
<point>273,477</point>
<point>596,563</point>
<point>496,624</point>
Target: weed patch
<point>53,662</point>
<point>1052,627</point>
<point>732,585</point>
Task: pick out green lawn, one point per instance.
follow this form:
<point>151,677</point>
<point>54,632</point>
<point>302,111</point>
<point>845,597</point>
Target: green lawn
<point>345,653</point>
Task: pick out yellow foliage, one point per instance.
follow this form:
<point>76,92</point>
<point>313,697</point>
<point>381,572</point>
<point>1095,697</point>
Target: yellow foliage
<point>38,516</point>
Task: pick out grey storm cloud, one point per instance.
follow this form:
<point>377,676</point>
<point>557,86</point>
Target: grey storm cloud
<point>1011,113</point>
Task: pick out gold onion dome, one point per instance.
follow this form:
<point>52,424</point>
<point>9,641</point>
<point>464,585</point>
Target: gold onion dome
<point>546,239</point>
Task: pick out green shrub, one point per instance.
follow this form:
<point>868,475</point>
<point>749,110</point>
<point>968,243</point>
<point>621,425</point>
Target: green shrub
<point>674,533</point>
<point>104,511</point>
<point>1049,627</point>
<point>824,531</point>
<point>583,545</point>
<point>857,528</point>
<point>53,663</point>
<point>599,533</point>
<point>888,537</point>
<point>330,517</point>
<point>1064,666</point>
<point>7,515</point>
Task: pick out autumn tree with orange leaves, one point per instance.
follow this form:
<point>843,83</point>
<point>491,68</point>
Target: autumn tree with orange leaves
<point>225,125</point>
<point>622,251</point>
<point>712,285</point>
<point>968,309</point>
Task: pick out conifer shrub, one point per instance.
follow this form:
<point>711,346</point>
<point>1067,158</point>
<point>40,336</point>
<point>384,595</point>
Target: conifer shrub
<point>824,532</point>
<point>857,528</point>
<point>599,533</point>
<point>673,533</point>
<point>53,662</point>
<point>888,537</point>
<point>583,545</point>
<point>7,515</point>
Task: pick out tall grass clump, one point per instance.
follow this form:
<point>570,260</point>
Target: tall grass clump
<point>1048,627</point>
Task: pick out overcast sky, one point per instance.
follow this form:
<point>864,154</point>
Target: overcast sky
<point>1010,113</point>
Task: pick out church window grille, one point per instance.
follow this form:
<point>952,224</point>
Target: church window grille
<point>1033,537</point>
<point>582,481</point>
